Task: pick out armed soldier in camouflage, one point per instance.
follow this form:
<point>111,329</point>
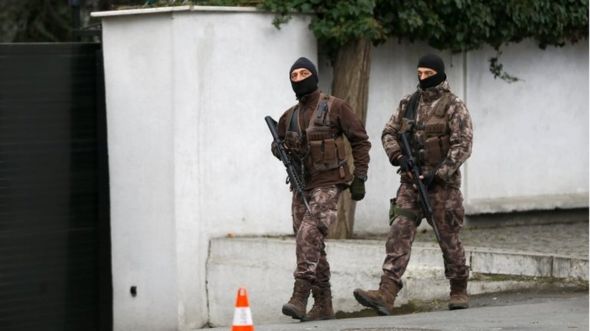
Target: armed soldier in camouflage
<point>440,131</point>
<point>312,132</point>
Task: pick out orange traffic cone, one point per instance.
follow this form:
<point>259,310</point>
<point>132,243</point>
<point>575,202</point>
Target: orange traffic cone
<point>242,315</point>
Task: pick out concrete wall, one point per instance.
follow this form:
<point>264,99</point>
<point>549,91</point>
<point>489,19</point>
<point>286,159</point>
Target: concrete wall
<point>189,150</point>
<point>531,150</point>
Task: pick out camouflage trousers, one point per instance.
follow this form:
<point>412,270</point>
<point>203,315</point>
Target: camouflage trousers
<point>311,230</point>
<point>448,213</point>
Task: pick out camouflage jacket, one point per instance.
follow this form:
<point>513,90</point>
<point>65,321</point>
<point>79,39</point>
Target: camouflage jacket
<point>460,133</point>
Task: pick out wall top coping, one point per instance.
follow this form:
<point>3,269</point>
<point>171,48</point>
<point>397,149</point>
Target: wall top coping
<point>162,10</point>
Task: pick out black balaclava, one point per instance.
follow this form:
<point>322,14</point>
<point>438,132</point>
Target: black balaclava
<point>435,63</point>
<point>309,84</point>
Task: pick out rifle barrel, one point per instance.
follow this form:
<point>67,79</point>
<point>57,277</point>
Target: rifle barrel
<point>424,200</point>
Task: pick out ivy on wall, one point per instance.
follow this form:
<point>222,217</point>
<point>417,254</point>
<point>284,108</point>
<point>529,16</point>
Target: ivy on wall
<point>453,25</point>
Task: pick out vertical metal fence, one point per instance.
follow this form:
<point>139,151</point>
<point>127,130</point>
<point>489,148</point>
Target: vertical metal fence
<point>55,269</point>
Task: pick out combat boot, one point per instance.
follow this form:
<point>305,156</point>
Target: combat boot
<point>298,302</point>
<point>322,305</point>
<point>459,298</point>
<point>381,300</point>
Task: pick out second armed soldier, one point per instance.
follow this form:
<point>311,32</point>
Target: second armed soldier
<point>440,131</point>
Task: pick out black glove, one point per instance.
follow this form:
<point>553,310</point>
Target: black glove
<point>393,159</point>
<point>428,179</point>
<point>404,164</point>
<point>357,189</point>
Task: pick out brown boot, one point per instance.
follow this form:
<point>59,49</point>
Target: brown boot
<point>382,299</point>
<point>459,298</point>
<point>322,305</point>
<point>298,302</point>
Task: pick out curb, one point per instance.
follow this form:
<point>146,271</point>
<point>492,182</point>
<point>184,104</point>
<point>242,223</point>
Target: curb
<point>265,266</point>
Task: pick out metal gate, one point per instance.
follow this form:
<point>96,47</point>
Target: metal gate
<point>55,271</point>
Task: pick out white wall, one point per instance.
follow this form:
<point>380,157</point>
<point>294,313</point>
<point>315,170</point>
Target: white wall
<point>189,150</point>
<point>531,146</point>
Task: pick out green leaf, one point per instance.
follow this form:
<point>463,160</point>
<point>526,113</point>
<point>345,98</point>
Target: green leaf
<point>445,24</point>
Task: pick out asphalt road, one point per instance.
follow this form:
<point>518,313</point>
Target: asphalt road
<point>550,310</point>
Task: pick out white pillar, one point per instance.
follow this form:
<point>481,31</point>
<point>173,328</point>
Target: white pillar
<point>189,153</point>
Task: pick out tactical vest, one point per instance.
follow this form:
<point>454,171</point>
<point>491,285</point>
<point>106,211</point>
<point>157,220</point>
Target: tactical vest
<point>320,146</point>
<point>431,135</point>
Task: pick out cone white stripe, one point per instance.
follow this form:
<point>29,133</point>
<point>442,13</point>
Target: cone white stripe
<point>242,317</point>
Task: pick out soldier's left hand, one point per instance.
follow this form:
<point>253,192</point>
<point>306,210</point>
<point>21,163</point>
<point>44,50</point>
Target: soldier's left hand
<point>427,179</point>
<point>357,189</point>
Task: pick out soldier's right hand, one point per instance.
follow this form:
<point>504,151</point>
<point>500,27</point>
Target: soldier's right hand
<point>393,158</point>
<point>274,150</point>
<point>404,163</point>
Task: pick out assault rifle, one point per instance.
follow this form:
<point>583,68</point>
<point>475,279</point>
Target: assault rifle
<point>292,174</point>
<point>415,172</point>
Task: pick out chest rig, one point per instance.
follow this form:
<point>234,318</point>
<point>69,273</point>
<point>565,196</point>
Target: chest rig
<point>319,146</point>
<point>431,134</point>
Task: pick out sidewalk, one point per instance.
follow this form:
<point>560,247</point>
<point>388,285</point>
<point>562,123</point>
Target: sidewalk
<point>504,258</point>
<point>568,239</point>
<point>553,314</point>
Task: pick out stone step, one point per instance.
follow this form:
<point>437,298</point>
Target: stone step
<point>265,266</point>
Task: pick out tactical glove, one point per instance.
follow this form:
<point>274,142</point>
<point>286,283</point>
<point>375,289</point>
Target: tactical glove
<point>404,164</point>
<point>429,179</point>
<point>393,158</point>
<point>357,189</point>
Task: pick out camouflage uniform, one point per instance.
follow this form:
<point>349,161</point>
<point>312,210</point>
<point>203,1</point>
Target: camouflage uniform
<point>444,194</point>
<point>310,231</point>
<point>322,188</point>
<point>314,132</point>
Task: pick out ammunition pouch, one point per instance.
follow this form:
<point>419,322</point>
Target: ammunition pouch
<point>434,134</point>
<point>435,151</point>
<point>326,152</point>
<point>326,147</point>
<point>319,145</point>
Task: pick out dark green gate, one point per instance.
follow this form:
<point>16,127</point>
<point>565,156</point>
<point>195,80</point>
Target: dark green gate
<point>55,269</point>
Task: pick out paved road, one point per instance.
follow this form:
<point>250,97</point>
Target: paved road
<point>555,312</point>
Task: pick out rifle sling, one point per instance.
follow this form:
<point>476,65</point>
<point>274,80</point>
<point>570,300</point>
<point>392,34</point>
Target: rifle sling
<point>410,114</point>
<point>411,109</point>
